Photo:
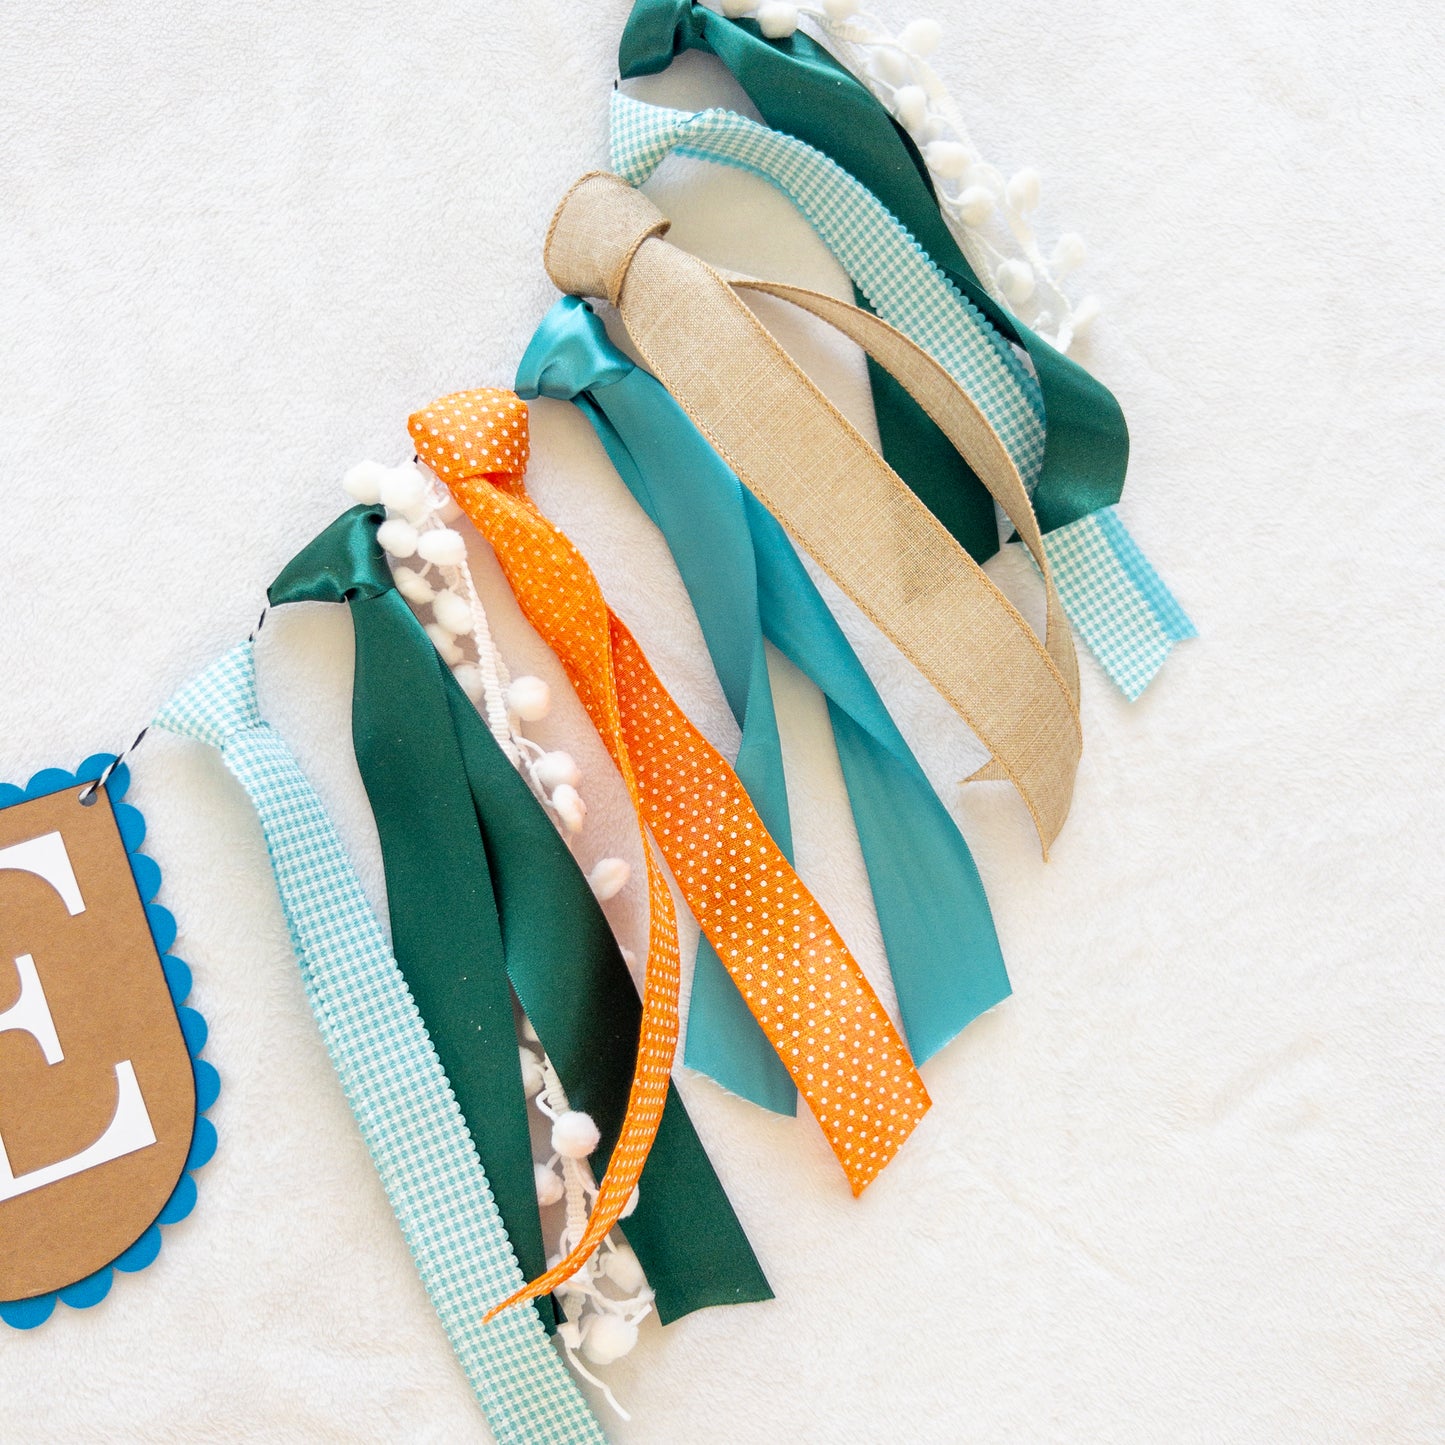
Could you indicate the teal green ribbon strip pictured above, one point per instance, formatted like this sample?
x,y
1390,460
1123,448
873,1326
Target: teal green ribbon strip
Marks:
x,y
391,1075
801,90
482,889
747,583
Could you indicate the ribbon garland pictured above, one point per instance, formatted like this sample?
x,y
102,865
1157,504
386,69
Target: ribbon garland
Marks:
x,y
481,887
784,954
745,582
1120,605
725,446
832,491
391,1075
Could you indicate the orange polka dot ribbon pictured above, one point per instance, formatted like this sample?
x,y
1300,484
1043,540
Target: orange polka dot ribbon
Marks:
x,y
789,962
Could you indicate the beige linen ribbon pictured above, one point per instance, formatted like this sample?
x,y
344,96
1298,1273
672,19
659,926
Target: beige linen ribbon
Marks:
x,y
844,504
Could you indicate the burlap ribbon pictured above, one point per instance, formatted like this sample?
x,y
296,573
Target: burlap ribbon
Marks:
x,y
843,503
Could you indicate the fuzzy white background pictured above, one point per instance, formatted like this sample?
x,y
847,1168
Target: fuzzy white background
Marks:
x,y
1187,1184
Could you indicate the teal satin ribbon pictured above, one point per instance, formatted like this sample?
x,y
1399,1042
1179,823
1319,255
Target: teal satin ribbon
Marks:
x,y
481,889
800,89
746,583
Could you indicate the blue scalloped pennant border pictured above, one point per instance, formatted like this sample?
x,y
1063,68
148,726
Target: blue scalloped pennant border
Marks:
x,y
26,1314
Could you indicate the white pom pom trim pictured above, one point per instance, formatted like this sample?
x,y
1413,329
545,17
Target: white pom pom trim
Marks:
x,y
362,483
575,1135
443,547
608,1338
530,698
397,537
549,1185
777,20
609,876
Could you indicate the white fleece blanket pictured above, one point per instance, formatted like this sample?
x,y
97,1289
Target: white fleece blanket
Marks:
x,y
1187,1184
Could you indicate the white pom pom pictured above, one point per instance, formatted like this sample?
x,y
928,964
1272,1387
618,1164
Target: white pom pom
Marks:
x,y
403,490
889,65
975,205
735,8
442,546
453,612
920,37
530,698
910,105
444,643
1022,191
554,769
1069,253
570,808
624,1270
777,20
631,1204
470,677
363,482
570,1333
985,178
608,1338
549,1186
532,1076
574,1135
1085,314
840,9
413,586
1016,280
947,158
397,537
609,877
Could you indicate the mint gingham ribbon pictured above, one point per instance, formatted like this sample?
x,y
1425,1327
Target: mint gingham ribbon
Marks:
x,y
1117,602
390,1073
1115,599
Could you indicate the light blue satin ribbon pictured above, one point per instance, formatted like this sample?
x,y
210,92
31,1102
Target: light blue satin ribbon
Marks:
x,y
1117,602
390,1073
746,583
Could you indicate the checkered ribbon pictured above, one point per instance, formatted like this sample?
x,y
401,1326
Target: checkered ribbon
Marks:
x,y
1114,598
390,1073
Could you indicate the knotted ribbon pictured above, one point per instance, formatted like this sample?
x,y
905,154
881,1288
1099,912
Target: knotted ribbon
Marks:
x,y
785,956
811,468
389,1071
1115,599
803,91
895,278
1120,605
746,582
480,887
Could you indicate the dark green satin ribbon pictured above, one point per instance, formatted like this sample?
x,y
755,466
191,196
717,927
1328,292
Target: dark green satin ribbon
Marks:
x,y
800,89
481,889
